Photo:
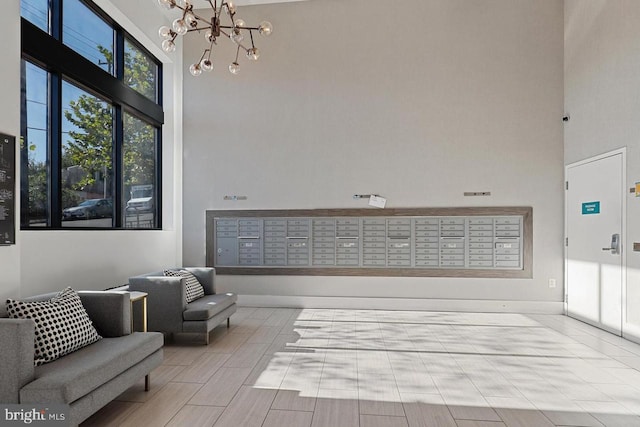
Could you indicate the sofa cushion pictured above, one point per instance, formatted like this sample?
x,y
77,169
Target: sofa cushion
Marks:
x,y
62,324
79,373
208,306
193,288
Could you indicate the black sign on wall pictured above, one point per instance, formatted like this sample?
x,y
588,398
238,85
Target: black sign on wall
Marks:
x,y
7,189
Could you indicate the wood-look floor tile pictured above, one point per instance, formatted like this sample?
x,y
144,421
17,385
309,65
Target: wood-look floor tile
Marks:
x,y
248,408
473,423
293,400
478,413
286,367
381,407
565,418
382,421
426,410
283,343
279,318
246,356
264,334
221,387
618,420
340,410
184,355
163,406
262,313
112,414
159,377
510,403
228,343
203,368
523,418
270,371
196,416
378,394
277,418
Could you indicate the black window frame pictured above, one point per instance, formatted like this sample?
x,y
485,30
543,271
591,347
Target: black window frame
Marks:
x,y
63,63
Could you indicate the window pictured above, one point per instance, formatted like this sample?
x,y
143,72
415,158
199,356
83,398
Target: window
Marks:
x,y
140,71
88,34
35,140
36,12
139,195
87,158
90,127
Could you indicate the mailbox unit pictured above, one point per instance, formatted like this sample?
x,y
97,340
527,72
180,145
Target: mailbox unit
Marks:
x,y
466,242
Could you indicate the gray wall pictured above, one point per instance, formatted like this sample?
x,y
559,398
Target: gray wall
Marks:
x,y
602,59
417,102
10,124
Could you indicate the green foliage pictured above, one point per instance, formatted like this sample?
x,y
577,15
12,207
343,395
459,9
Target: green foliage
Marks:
x,y
38,189
90,146
38,192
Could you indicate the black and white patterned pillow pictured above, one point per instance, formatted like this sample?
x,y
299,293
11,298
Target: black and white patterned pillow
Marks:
x,y
62,324
193,287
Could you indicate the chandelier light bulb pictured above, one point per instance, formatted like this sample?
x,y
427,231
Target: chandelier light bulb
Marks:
x,y
208,35
253,54
234,68
182,3
206,65
168,46
236,36
231,8
165,32
167,4
195,70
265,28
180,27
191,20
240,23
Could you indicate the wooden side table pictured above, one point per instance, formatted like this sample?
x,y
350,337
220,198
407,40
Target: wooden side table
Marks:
x,y
139,296
135,296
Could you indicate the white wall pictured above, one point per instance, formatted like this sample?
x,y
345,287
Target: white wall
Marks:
x,y
417,102
602,87
49,260
10,124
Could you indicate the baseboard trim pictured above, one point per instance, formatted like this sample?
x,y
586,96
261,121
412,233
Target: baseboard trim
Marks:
x,y
419,304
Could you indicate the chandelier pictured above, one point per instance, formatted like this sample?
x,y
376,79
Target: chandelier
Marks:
x,y
213,29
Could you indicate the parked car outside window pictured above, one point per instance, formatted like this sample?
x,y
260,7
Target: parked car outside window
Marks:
x,y
91,208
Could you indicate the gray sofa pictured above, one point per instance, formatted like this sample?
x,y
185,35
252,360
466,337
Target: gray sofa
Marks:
x,y
167,308
88,378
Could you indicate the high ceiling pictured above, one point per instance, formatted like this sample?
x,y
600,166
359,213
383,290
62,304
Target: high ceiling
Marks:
x,y
198,4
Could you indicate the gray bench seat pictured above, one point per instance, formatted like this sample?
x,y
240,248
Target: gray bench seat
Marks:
x,y
168,310
69,378
86,379
208,306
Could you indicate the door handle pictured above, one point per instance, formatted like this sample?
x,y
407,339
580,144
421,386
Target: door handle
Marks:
x,y
615,245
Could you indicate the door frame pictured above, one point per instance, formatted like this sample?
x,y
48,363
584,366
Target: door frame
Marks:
x,y
623,235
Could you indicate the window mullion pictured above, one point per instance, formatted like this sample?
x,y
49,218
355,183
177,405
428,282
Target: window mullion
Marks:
x,y
55,150
24,148
56,19
118,160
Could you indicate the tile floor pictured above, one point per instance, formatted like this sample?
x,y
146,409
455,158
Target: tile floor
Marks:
x,y
366,368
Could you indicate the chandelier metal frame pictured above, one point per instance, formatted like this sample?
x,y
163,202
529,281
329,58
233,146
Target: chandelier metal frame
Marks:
x,y
190,21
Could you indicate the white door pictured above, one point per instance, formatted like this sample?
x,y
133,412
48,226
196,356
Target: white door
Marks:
x,y
594,217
